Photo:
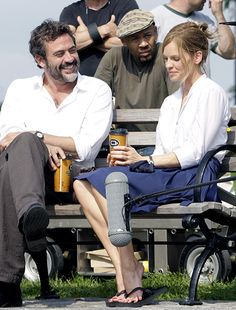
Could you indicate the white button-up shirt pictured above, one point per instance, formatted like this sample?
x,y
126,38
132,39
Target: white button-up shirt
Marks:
x,y
85,114
197,126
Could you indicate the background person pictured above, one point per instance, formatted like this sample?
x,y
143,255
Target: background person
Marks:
x,y
193,121
95,23
180,11
135,71
43,118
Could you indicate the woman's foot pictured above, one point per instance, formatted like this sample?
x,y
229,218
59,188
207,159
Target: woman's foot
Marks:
x,y
121,292
148,298
133,280
120,297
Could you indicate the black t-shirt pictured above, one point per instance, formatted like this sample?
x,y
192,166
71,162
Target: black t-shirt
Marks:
x,y
90,56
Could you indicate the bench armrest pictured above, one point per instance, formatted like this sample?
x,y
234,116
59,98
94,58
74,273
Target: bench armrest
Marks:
x,y
203,164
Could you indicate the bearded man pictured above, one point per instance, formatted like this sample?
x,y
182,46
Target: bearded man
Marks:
x,y
43,119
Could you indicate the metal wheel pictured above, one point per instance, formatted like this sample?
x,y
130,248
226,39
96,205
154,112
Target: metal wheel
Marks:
x,y
217,267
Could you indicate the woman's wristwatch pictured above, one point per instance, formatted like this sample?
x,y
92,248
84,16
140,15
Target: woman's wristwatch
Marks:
x,y
150,160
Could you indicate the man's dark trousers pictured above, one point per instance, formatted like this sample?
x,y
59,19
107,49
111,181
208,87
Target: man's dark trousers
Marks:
x,y
22,184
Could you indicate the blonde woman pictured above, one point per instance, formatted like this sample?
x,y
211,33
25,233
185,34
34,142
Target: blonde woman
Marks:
x,y
193,121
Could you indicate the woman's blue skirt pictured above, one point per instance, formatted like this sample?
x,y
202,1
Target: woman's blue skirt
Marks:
x,y
142,183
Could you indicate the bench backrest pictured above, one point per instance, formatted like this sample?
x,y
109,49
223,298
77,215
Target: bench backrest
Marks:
x,y
138,116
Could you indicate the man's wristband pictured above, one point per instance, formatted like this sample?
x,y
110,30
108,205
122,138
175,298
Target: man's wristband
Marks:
x,y
94,33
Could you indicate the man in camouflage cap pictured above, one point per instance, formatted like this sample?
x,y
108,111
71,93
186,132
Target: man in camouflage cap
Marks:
x,y
135,71
134,21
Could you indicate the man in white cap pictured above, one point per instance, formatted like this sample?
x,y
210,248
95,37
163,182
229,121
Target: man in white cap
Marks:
x,y
135,71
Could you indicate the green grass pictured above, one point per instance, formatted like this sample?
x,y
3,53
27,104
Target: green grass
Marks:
x,y
177,283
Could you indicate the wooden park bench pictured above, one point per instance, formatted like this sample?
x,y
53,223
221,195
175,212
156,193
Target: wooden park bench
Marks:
x,y
207,217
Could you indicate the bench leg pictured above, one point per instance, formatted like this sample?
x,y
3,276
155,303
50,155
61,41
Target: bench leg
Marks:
x,y
151,254
40,259
192,298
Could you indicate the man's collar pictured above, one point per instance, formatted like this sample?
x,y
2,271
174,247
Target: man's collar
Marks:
x,y
79,84
177,12
99,8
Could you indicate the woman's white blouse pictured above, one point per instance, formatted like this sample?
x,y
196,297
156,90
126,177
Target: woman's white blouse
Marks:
x,y
197,126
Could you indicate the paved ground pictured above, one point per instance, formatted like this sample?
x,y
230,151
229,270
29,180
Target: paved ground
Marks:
x,y
99,304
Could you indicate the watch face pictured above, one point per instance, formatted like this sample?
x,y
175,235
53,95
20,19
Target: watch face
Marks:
x,y
39,134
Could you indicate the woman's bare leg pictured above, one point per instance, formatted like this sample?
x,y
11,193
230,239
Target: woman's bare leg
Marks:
x,y
128,270
95,210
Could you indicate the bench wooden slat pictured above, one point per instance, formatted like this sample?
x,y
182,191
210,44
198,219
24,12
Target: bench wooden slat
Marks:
x,y
233,113
141,138
171,210
145,115
136,115
164,217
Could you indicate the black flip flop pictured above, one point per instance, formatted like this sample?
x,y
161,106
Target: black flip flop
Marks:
x,y
147,297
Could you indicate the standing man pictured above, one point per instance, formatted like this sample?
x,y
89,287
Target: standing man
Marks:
x,y
95,23
180,11
42,120
135,71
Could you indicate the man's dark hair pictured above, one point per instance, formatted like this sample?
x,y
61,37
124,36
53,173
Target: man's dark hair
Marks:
x,y
48,31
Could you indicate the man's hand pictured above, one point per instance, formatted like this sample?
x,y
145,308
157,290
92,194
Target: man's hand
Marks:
x,y
108,29
225,37
108,33
81,34
7,140
55,154
82,27
112,26
216,7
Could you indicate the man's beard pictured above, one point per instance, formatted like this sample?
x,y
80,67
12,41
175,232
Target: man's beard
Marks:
x,y
199,7
59,75
147,59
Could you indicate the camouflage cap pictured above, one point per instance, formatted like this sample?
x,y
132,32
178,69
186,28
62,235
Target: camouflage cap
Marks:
x,y
134,21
